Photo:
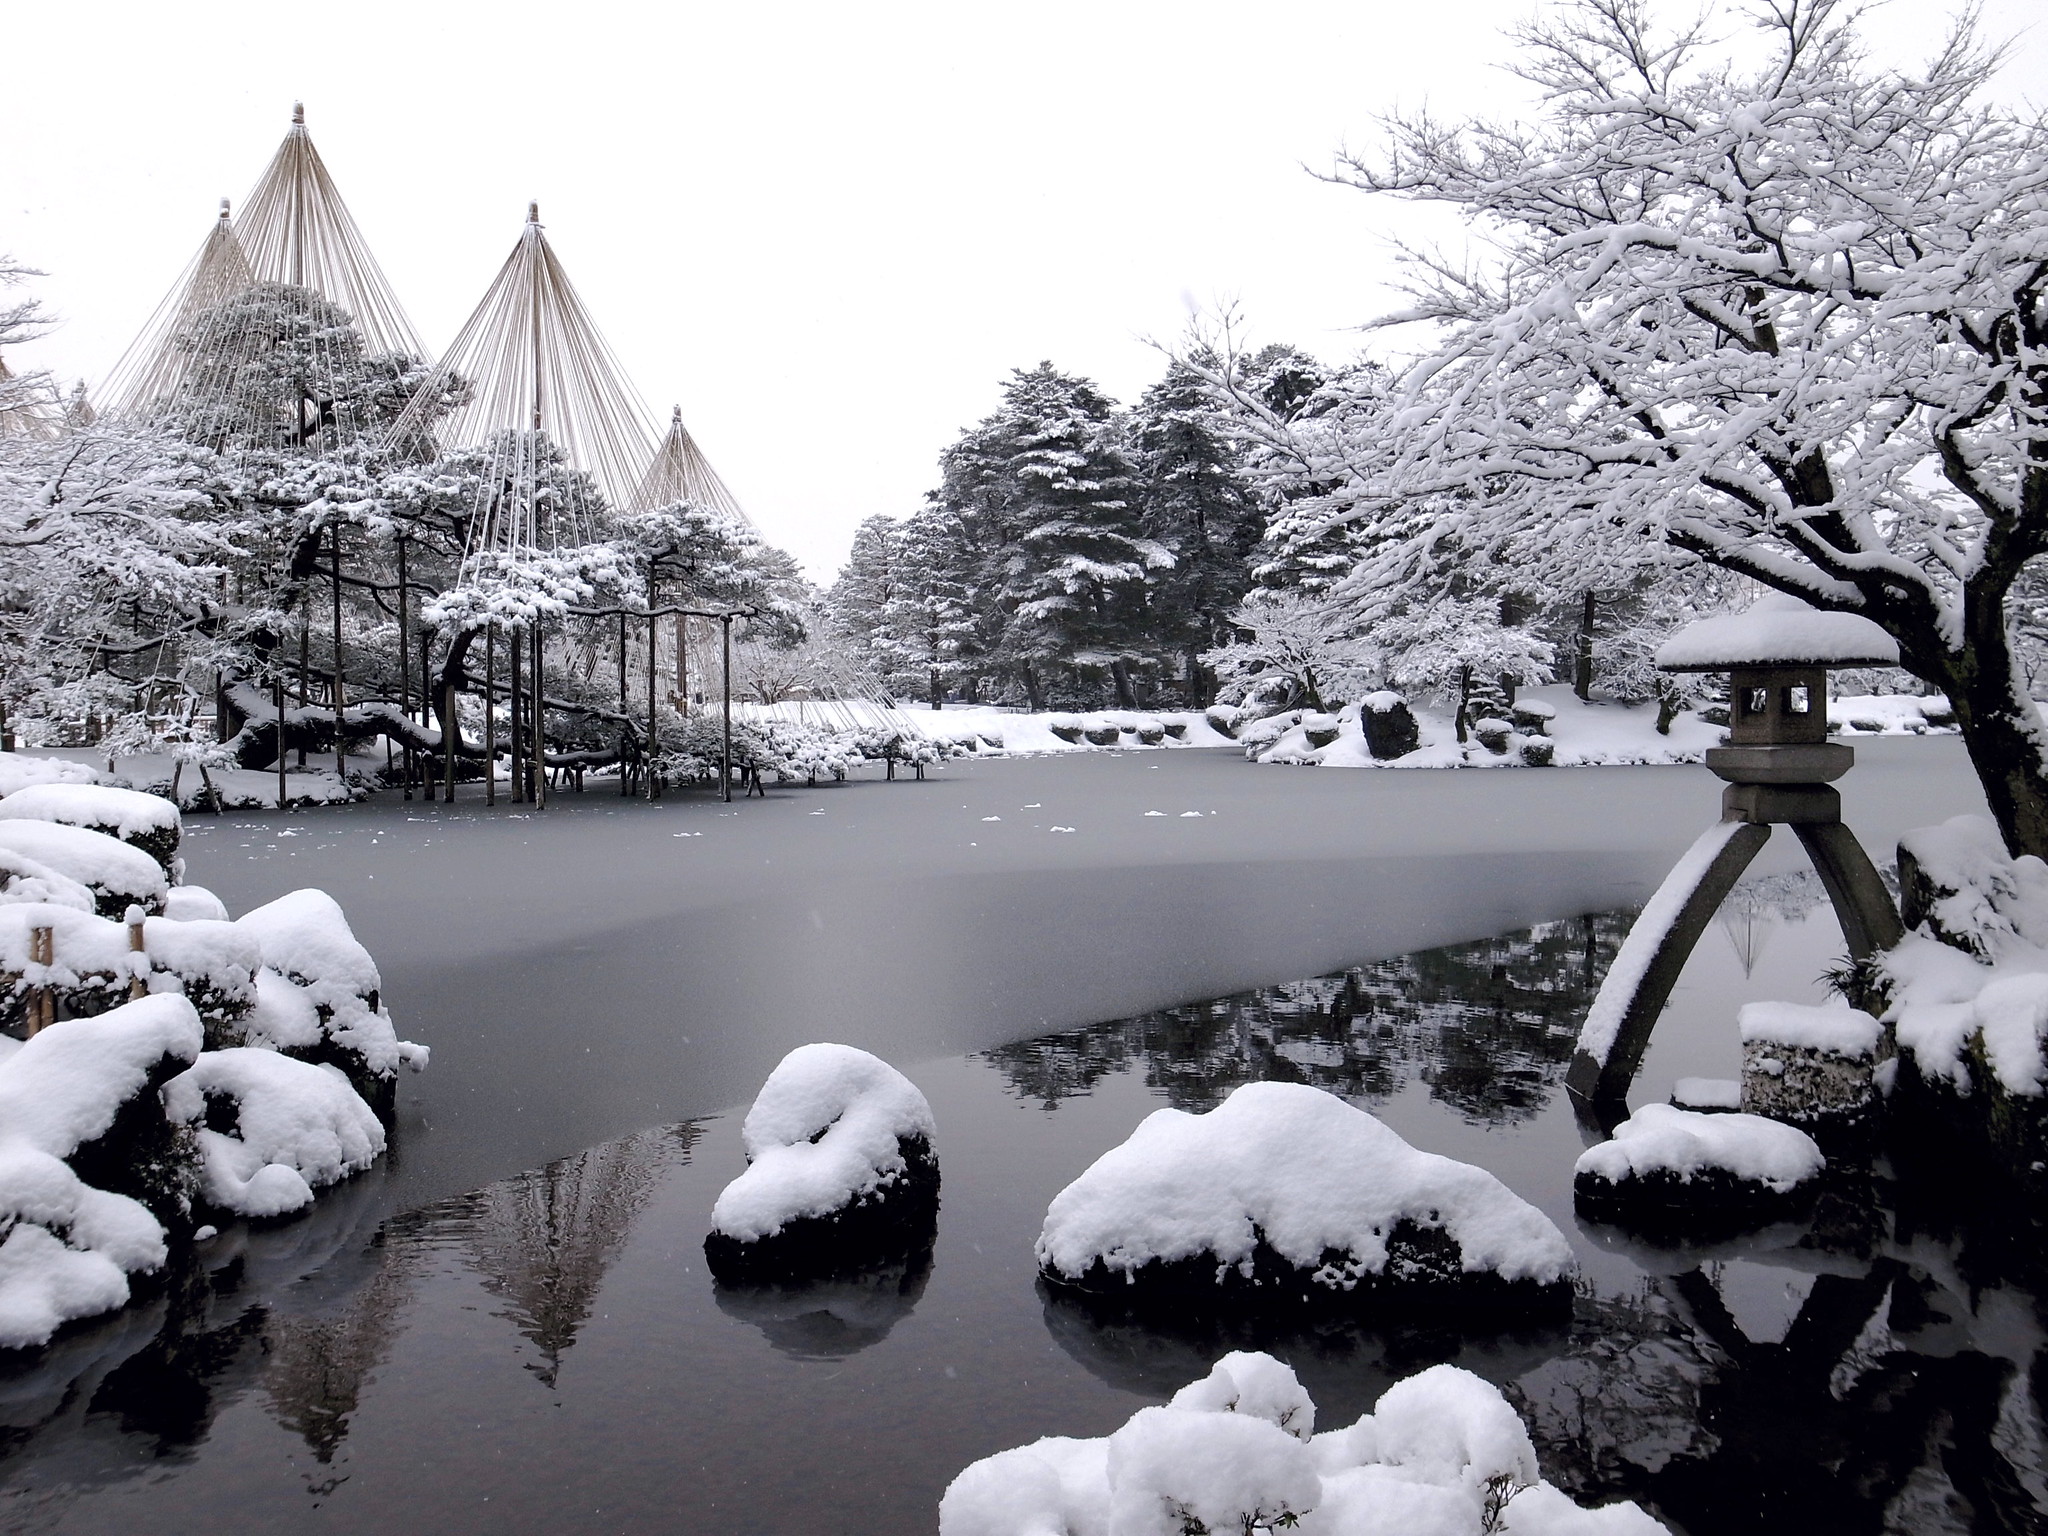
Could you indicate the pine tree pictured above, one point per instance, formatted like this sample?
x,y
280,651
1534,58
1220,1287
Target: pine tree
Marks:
x,y
928,622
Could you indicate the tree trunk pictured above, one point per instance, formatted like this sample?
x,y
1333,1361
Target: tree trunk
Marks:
x,y
1033,694
938,691
1464,699
1120,673
1582,669
2002,730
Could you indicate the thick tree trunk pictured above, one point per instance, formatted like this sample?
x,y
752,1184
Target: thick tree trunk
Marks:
x,y
1582,661
1034,695
2002,732
1120,673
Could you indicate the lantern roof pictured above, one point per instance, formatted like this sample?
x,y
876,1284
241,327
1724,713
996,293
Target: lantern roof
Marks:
x,y
1778,631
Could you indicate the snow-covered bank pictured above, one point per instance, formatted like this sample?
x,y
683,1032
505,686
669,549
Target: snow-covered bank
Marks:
x,y
159,1068
1552,727
1441,1454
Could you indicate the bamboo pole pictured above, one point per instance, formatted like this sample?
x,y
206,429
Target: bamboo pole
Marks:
x,y
540,739
42,1002
427,711
625,779
725,688
340,752
404,666
305,662
137,986
277,693
490,714
518,764
653,634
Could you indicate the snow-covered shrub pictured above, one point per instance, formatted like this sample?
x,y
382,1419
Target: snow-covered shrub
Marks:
x,y
319,999
1493,733
66,1249
213,963
194,903
1285,1194
18,771
1066,727
22,879
1667,1166
1532,716
1810,1067
839,1163
1441,1454
117,875
147,822
90,970
1261,734
271,1130
1539,751
1223,718
1321,729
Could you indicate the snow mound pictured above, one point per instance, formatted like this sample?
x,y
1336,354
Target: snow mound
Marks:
x,y
1287,1192
1442,1454
91,965
18,772
23,879
116,874
1681,1144
306,937
292,1128
323,996
194,903
2012,1014
834,1131
1958,884
1836,1028
64,1087
127,814
213,963
66,1249
1778,631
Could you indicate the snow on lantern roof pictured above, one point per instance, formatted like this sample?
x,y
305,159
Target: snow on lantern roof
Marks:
x,y
1778,632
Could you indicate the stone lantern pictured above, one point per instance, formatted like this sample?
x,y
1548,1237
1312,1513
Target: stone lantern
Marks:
x,y
1780,770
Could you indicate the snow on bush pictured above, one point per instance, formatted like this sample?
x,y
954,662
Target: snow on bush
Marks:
x,y
1285,1192
66,1247
213,963
272,1129
325,1001
838,1145
18,772
1441,1454
1958,883
116,874
22,879
1660,1149
194,903
143,821
91,969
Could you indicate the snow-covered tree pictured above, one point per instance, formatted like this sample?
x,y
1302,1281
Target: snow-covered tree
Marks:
x,y
27,400
1786,316
928,620
857,605
1294,647
1044,490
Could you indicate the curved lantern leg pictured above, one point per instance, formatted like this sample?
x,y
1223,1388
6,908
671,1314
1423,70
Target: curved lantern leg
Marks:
x,y
1862,905
1617,1027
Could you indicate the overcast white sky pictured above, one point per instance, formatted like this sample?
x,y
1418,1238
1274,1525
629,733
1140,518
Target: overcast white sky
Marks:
x,y
827,231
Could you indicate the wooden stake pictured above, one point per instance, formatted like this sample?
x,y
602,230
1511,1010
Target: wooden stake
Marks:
x,y
518,720
340,754
277,694
137,987
653,630
404,666
42,1002
725,684
540,738
490,714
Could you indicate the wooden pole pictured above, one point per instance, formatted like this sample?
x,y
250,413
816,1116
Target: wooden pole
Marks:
x,y
404,666
277,693
682,664
653,631
725,686
137,986
518,719
451,738
340,755
42,1003
625,778
490,714
540,736
305,629
427,710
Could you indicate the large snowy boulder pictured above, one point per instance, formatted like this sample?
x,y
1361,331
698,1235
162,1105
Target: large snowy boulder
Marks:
x,y
1676,1167
1442,1454
1286,1194
839,1162
91,967
1958,884
117,875
147,822
1811,1067
271,1129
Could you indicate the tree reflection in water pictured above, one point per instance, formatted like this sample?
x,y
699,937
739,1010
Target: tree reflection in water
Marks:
x,y
1488,1026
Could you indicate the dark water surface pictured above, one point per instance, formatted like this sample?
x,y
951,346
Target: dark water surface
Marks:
x,y
452,1344
548,1353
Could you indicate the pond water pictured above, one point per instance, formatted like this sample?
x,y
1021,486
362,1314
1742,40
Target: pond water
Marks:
x,y
548,1353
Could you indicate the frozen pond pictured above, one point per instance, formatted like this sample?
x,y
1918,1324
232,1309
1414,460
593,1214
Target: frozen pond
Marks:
x,y
511,1328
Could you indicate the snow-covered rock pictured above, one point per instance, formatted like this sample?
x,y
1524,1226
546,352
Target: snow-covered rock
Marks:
x,y
213,963
1285,1193
117,875
147,822
1959,885
1811,1067
194,903
271,1129
1667,1164
1441,1454
23,879
66,1249
839,1159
